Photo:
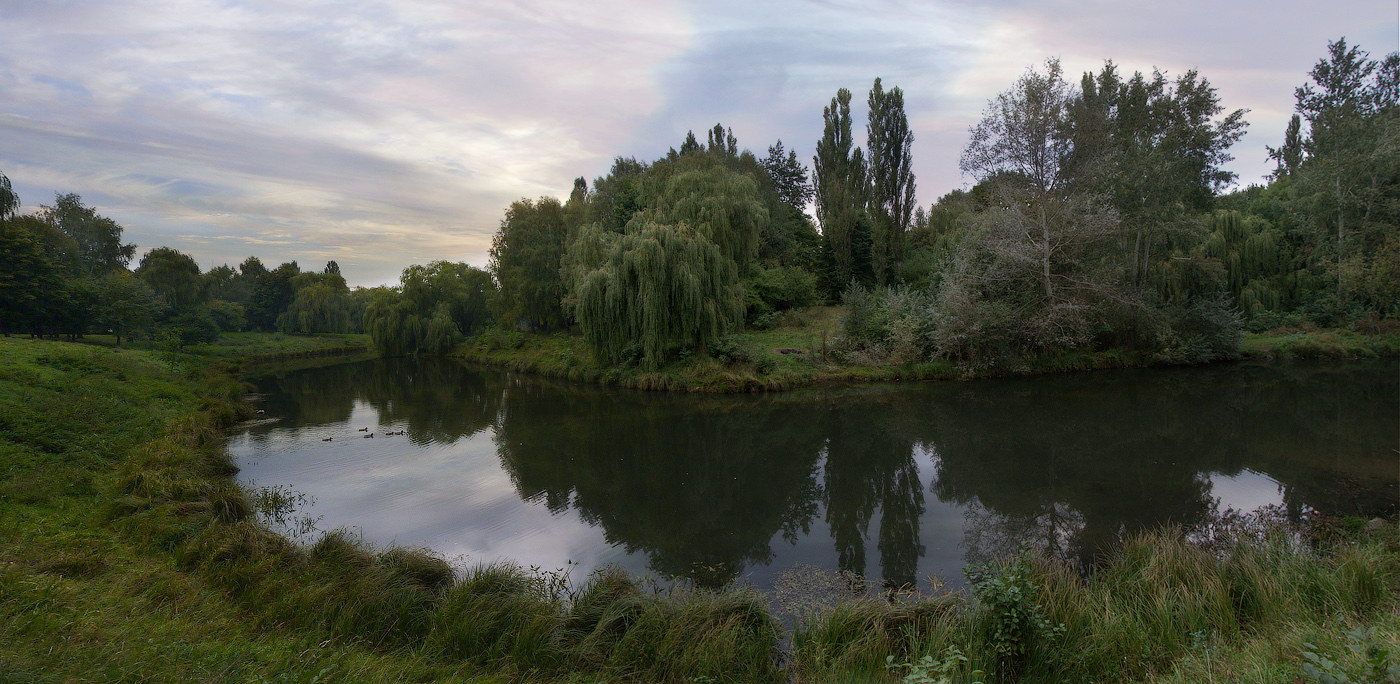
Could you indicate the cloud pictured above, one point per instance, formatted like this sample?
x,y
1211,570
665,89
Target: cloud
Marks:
x,y
383,133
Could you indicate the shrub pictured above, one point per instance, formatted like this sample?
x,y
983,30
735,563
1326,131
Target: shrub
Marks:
x,y
1204,329
191,327
1015,624
730,349
895,323
770,290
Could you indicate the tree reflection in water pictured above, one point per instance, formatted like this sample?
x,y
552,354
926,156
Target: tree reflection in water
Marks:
x,y
705,486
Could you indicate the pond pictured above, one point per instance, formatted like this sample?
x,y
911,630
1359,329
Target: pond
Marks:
x,y
897,483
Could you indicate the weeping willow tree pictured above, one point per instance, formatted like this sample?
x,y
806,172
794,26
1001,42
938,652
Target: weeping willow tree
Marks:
x,y
1255,266
722,205
661,287
394,325
589,246
322,304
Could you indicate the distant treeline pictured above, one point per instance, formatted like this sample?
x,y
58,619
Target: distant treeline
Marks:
x,y
1096,220
64,274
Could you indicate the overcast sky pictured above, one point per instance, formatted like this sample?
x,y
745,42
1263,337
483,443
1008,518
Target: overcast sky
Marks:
x,y
383,134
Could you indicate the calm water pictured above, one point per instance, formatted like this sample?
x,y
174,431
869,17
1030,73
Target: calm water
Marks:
x,y
900,483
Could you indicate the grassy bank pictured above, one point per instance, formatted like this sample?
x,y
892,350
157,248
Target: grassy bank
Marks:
x,y
107,458
1248,609
1295,343
798,353
128,553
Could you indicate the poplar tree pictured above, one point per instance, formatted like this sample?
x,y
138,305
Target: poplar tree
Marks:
x,y
891,179
839,174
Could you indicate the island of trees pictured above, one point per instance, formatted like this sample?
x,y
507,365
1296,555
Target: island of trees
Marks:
x,y
1099,219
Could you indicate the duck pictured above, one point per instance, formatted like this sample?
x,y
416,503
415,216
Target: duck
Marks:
x,y
327,439
369,436
364,429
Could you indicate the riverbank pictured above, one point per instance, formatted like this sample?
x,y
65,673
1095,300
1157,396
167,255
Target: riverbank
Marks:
x,y
128,553
799,353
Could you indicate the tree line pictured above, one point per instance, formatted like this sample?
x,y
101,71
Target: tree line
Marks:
x,y
1101,216
66,274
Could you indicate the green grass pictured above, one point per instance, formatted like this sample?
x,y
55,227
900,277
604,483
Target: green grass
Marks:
x,y
1161,609
1320,344
796,353
127,553
763,364
85,592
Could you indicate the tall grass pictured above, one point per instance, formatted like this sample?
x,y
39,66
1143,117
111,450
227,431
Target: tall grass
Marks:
x,y
1161,605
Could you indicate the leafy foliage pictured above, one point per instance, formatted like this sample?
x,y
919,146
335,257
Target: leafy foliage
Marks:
x,y
1016,624
789,177
434,307
98,238
840,183
891,179
661,287
720,204
322,304
1377,665
525,261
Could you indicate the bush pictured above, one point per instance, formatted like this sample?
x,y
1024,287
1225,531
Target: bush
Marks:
x,y
1016,625
1204,329
920,269
1272,320
895,323
730,349
1328,310
190,327
228,316
778,289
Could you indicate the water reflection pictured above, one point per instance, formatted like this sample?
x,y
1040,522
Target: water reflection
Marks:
x,y
895,484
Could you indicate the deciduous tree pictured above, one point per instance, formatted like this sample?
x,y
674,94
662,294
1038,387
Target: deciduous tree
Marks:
x,y
661,287
525,256
98,238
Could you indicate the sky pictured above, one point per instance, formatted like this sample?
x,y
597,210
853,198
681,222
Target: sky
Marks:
x,y
381,134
